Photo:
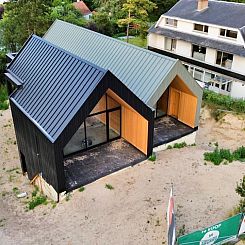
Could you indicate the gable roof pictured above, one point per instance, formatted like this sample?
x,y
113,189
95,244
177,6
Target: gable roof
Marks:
x,y
55,84
227,14
57,90
141,70
82,7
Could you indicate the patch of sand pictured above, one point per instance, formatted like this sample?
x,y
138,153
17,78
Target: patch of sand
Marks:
x,y
135,211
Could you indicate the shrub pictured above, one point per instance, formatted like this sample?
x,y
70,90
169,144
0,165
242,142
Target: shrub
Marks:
x,y
109,187
81,189
239,154
36,201
152,157
213,157
179,145
218,156
3,98
240,190
224,101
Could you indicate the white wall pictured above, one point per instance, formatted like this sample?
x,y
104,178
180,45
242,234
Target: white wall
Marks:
x,y
183,48
210,56
156,41
238,90
238,64
185,26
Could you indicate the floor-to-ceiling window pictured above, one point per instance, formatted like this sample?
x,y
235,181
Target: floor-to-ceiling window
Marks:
x,y
101,126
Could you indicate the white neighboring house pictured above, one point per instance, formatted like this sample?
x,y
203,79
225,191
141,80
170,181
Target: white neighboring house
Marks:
x,y
83,8
209,38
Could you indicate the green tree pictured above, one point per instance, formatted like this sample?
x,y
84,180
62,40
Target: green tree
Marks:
x,y
64,10
162,7
21,19
101,23
136,12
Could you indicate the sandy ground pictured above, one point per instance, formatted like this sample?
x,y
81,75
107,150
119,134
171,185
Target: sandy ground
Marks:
x,y
135,211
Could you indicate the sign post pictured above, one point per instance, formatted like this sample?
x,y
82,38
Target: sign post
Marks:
x,y
223,232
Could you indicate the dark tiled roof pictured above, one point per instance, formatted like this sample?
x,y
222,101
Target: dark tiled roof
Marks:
x,y
55,84
202,41
218,13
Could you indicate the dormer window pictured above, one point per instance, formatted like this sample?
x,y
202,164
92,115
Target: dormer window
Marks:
x,y
171,22
201,28
228,33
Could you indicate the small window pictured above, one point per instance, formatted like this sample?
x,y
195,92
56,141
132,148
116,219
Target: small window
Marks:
x,y
228,33
171,22
222,32
170,44
232,34
201,28
216,85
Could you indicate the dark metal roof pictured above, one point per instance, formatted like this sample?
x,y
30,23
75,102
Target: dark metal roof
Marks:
x,y
55,84
227,14
141,70
202,41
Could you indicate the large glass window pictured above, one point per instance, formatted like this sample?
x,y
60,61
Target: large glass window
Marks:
x,y
224,59
198,52
96,129
77,142
102,125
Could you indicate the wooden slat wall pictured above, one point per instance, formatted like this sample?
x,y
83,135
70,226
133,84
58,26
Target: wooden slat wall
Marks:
x,y
134,126
134,129
187,109
182,102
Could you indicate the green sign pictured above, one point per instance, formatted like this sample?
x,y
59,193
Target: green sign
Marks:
x,y
220,233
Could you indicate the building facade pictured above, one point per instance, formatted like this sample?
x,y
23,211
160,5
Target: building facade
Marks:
x,y
71,96
209,38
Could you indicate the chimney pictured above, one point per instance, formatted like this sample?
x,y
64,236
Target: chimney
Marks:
x,y
202,4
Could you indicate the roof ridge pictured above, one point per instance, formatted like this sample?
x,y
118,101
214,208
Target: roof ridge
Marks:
x,y
69,53
115,40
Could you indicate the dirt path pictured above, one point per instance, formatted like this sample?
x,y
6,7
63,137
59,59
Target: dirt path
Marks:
x,y
134,212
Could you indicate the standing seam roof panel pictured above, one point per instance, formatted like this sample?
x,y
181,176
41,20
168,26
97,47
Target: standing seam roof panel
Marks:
x,y
56,84
127,62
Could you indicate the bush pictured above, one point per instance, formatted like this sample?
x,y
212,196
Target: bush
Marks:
x,y
240,190
213,157
36,201
218,156
239,154
152,157
224,101
180,145
4,105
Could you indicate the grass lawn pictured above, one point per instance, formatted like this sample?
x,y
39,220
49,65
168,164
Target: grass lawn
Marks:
x,y
137,41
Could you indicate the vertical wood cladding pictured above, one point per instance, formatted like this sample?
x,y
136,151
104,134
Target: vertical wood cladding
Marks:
x,y
38,151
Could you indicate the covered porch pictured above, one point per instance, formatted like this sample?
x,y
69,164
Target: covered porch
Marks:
x,y
168,129
88,166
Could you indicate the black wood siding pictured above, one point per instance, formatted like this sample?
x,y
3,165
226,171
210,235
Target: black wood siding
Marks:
x,y
39,152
